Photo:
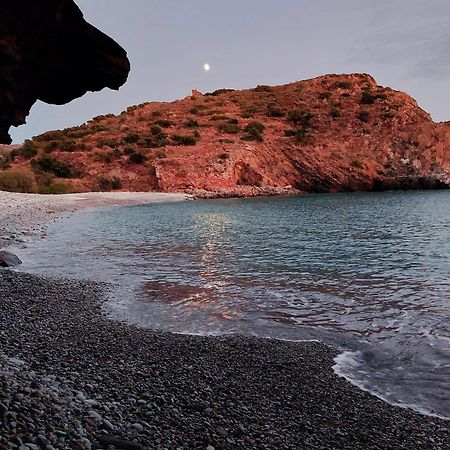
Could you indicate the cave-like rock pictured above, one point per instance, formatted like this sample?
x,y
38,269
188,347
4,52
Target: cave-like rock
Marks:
x,y
49,52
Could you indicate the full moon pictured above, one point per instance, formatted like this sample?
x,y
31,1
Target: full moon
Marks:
x,y
206,67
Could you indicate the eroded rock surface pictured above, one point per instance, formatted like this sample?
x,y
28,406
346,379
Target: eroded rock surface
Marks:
x,y
49,52
333,133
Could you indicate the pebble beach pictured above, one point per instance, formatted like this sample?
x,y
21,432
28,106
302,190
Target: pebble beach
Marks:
x,y
70,378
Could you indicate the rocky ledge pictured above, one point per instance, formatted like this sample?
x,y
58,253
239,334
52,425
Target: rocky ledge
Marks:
x,y
70,378
49,52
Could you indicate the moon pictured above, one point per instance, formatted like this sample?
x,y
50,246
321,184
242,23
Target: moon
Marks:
x,y
206,67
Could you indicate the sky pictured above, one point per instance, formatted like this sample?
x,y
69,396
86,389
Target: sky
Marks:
x,y
404,44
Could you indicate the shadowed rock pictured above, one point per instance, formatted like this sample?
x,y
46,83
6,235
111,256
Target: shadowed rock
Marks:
x,y
8,259
49,52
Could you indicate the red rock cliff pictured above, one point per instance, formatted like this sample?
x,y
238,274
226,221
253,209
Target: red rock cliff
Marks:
x,y
332,133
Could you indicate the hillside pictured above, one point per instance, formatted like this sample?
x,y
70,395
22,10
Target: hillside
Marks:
x,y
328,134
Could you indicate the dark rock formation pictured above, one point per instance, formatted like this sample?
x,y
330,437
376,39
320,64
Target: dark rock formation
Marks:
x,y
9,260
49,52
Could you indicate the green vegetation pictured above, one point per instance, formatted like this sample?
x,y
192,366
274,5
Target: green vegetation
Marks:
x,y
324,95
109,184
263,88
131,138
363,115
369,98
275,111
335,113
196,110
254,132
300,117
218,92
229,128
137,158
164,123
192,123
160,154
343,85
27,151
357,164
52,165
183,140
18,180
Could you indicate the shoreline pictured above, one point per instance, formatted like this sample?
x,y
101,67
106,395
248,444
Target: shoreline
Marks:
x,y
24,215
65,314
88,377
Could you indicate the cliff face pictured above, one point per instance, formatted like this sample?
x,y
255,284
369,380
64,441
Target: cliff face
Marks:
x,y
49,52
332,133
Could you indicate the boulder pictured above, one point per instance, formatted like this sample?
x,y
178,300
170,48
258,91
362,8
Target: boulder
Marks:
x,y
9,259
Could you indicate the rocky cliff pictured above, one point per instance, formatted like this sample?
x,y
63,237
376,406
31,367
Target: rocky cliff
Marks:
x,y
49,52
328,134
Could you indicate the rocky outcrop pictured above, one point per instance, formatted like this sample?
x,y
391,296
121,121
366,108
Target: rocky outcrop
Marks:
x,y
9,259
328,134
49,52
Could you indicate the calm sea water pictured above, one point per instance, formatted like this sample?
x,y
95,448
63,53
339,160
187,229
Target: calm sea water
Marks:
x,y
367,272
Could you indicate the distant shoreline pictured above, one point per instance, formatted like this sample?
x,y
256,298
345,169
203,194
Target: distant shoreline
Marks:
x,y
23,215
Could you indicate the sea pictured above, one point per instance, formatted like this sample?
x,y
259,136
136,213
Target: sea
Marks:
x,y
366,272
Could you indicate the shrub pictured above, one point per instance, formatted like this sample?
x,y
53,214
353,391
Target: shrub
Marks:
x,y
223,156
367,98
197,109
335,113
155,129
109,184
343,85
56,135
229,128
131,138
274,111
48,148
216,118
184,140
160,154
107,143
191,123
68,146
52,165
357,164
290,133
262,88
324,95
100,128
226,141
253,132
104,157
5,162
300,117
27,151
363,116
128,150
248,112
164,123
301,136
54,189
218,92
137,158
17,180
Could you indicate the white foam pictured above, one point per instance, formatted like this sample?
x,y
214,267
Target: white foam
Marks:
x,y
348,360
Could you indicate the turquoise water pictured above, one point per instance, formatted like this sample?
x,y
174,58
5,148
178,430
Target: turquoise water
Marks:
x,y
367,272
